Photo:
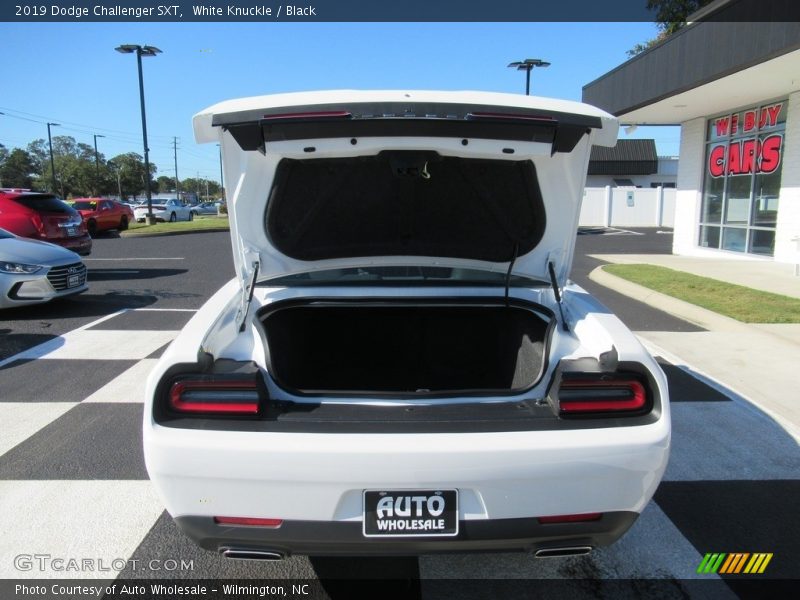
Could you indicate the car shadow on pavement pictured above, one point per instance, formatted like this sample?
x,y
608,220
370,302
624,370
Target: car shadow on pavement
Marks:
x,y
128,274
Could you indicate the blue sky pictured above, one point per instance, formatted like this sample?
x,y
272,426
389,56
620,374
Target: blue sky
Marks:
x,y
69,73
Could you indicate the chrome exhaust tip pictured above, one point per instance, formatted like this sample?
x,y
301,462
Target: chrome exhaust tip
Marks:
x,y
561,552
247,554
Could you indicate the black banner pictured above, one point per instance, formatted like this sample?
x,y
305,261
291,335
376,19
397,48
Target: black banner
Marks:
x,y
324,10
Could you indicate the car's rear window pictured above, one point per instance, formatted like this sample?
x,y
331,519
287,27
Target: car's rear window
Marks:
x,y
43,203
401,203
84,205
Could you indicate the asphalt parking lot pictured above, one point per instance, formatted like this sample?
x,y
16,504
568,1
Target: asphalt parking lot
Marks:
x,y
72,477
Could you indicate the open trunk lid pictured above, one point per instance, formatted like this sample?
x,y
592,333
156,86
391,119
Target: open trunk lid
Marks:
x,y
343,179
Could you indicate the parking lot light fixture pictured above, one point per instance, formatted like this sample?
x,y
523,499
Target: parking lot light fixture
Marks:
x,y
52,162
141,51
527,65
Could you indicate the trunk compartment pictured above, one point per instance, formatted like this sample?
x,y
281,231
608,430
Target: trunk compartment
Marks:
x,y
406,348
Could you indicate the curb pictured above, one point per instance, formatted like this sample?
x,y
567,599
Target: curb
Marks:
x,y
702,317
165,233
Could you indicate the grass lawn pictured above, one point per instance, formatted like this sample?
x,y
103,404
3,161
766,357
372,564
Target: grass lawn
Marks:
x,y
735,301
198,224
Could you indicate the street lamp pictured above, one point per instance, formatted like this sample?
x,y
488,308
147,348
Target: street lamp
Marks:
x,y
140,52
527,65
52,162
96,164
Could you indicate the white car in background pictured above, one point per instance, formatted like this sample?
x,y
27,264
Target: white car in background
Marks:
x,y
164,210
32,271
401,365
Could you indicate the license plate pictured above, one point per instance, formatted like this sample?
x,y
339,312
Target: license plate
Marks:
x,y
74,280
410,513
72,231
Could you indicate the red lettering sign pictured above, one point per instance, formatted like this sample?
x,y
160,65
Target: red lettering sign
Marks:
x,y
744,157
770,154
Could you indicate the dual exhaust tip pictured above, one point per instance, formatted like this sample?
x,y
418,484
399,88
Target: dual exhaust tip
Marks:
x,y
274,555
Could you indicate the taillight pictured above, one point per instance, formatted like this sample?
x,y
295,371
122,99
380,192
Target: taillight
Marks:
x,y
249,521
584,518
215,396
38,224
579,396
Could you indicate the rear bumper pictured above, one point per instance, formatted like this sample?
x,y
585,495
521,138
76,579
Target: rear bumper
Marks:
x,y
80,245
346,539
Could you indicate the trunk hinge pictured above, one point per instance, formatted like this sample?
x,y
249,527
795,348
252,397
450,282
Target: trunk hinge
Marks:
x,y
511,266
247,298
554,283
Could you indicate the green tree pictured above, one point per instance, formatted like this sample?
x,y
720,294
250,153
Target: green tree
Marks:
x,y
670,17
128,170
198,186
74,165
17,169
165,184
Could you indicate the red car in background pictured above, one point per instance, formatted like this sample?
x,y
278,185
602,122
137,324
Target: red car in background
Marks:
x,y
43,216
100,214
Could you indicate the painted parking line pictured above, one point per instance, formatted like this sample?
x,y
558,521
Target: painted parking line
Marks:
x,y
136,258
103,520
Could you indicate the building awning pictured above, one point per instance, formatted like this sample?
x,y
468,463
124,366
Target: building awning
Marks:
x,y
628,157
725,61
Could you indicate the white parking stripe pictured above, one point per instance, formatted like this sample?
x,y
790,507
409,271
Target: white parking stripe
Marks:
x,y
22,419
98,520
136,258
127,387
105,344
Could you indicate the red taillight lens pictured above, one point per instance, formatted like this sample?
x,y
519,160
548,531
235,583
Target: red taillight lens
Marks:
x,y
249,521
585,396
227,397
38,224
570,518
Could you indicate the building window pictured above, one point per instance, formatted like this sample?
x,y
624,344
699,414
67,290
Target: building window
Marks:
x,y
741,188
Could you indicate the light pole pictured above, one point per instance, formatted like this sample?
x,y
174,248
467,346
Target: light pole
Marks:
x,y
52,162
96,164
527,65
143,51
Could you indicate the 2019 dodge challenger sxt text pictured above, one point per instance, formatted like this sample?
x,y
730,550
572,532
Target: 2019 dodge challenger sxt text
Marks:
x,y
401,365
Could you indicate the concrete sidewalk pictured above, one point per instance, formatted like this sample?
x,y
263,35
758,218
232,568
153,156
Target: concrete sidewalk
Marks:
x,y
756,362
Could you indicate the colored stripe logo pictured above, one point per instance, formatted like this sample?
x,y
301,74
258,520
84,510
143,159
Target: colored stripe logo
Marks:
x,y
735,563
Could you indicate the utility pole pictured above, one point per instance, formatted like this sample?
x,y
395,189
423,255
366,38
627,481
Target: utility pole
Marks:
x,y
52,162
177,181
97,165
221,180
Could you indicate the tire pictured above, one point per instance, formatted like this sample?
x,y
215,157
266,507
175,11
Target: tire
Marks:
x,y
191,215
123,223
173,218
91,227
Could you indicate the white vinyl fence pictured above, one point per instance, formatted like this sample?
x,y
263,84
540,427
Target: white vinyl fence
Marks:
x,y
628,207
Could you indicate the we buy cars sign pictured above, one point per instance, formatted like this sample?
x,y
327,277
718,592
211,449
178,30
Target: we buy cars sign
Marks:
x,y
757,154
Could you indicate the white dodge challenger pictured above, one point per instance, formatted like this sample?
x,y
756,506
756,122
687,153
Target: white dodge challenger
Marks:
x,y
401,365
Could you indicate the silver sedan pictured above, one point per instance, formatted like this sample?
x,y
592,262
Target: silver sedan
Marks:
x,y
32,272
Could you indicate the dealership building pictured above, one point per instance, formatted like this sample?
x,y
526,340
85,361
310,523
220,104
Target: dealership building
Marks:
x,y
733,86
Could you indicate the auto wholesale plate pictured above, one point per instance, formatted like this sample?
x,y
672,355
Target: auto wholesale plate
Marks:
x,y
410,513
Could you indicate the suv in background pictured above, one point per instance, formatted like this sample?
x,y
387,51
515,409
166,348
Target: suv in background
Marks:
x,y
43,216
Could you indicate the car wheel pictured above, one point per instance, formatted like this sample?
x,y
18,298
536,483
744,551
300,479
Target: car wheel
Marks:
x,y
191,215
123,223
91,227
172,218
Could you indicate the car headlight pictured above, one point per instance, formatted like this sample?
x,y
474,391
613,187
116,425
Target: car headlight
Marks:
x,y
18,268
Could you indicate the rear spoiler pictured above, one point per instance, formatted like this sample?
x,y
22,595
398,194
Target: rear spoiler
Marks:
x,y
252,129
